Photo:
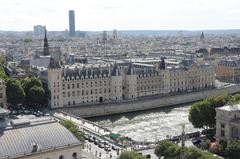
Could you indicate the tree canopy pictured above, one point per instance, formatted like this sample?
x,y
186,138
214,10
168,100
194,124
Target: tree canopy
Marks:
x,y
35,93
130,155
233,149
14,91
170,150
202,114
36,96
73,129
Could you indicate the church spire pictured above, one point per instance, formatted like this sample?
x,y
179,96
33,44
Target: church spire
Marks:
x,y
46,50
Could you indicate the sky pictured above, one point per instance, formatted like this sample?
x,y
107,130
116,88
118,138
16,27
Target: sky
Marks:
x,y
98,15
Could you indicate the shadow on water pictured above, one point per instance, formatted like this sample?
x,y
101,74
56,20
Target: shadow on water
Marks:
x,y
130,115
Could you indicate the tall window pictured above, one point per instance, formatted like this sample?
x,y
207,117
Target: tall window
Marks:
x,y
73,86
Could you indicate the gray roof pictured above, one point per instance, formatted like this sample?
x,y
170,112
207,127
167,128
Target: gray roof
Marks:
x,y
19,141
230,108
85,72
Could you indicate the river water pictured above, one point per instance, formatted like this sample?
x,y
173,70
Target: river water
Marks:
x,y
151,125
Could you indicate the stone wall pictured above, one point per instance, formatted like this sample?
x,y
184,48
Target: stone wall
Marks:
x,y
146,103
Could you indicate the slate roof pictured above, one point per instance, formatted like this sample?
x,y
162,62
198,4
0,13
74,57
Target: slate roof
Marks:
x,y
229,62
16,142
85,72
53,64
130,69
115,71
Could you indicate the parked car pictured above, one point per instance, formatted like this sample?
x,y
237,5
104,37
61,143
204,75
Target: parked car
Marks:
x,y
90,139
101,145
96,142
114,147
108,149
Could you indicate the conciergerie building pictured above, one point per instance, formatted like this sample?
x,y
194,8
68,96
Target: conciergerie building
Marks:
x,y
109,82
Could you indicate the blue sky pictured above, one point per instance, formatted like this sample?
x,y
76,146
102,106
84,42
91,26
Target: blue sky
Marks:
x,y
121,14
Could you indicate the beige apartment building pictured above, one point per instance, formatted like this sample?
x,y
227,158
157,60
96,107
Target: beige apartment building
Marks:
x,y
83,84
228,70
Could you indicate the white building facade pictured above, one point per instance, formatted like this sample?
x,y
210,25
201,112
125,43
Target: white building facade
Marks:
x,y
228,123
108,83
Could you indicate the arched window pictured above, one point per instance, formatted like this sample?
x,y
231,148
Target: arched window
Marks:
x,y
74,155
61,157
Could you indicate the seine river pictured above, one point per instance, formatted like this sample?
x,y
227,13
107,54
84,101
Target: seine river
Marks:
x,y
152,125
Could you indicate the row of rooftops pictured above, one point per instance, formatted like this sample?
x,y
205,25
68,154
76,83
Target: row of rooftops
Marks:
x,y
229,62
109,68
225,50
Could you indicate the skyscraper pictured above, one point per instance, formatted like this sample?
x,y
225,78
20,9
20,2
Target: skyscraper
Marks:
x,y
39,29
71,23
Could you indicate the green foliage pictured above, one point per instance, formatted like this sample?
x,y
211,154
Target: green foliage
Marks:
x,y
2,59
15,92
222,148
236,98
233,149
35,93
167,149
130,155
195,153
170,150
27,40
202,114
73,129
28,83
3,74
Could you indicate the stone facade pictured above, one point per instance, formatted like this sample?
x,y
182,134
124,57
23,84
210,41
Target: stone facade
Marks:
x,y
146,103
228,123
91,83
69,152
228,70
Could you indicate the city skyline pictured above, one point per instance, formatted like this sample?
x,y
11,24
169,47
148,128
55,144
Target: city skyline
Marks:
x,y
121,15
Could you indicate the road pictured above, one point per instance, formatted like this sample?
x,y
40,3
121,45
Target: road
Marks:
x,y
100,153
91,150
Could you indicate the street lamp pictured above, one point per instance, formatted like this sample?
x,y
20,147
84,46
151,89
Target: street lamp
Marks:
x,y
183,142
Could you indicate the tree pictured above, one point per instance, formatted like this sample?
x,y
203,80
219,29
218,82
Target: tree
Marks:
x,y
27,40
36,96
236,98
3,74
14,91
233,149
170,150
202,114
130,155
28,83
167,150
73,129
2,59
195,153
